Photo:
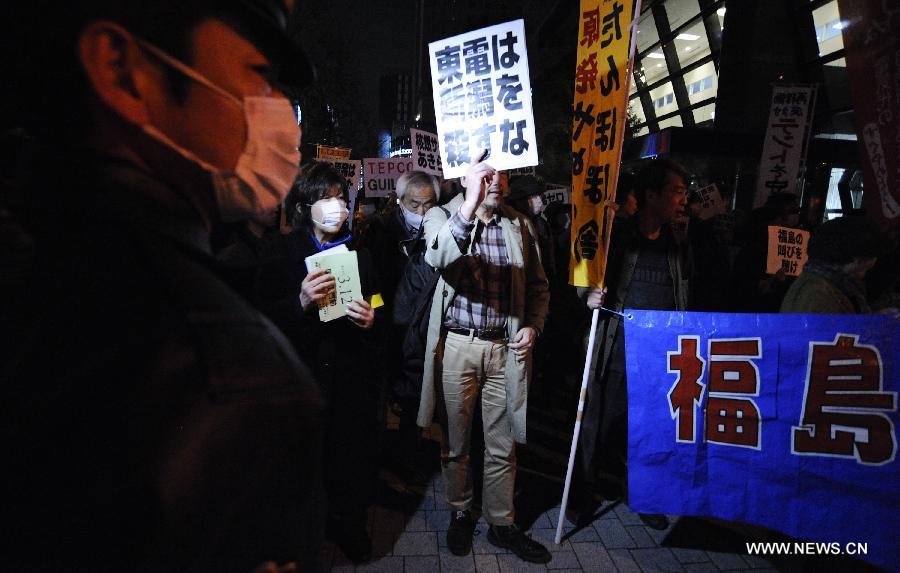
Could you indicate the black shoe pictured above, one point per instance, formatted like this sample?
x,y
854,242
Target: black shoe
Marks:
x,y
654,520
512,538
352,538
460,532
580,513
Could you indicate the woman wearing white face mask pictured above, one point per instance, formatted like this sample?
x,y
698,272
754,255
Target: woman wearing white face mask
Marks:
x,y
342,353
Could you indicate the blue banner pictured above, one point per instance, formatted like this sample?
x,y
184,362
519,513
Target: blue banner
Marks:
x,y
784,421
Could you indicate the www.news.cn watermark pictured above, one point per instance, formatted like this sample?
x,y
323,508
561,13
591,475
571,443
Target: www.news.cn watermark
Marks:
x,y
807,548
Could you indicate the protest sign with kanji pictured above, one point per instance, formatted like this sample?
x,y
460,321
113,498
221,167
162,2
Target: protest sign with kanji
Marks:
x,y
709,202
787,250
482,98
349,170
557,194
871,34
787,421
599,119
426,151
784,148
381,174
326,152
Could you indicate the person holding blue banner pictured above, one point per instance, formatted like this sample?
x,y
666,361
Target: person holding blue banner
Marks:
x,y
648,268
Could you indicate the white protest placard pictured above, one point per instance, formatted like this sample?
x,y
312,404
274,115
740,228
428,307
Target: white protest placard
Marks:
x,y
426,151
482,98
709,202
787,250
784,148
381,174
343,264
349,170
557,194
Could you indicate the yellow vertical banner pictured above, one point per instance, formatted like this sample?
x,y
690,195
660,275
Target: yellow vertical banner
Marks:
x,y
599,120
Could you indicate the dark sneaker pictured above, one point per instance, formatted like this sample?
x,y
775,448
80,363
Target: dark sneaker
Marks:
x,y
654,520
512,538
580,511
460,532
352,538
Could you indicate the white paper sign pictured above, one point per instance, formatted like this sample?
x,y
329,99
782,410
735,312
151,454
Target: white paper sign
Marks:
x,y
349,170
787,250
426,151
557,194
381,174
709,202
784,146
482,98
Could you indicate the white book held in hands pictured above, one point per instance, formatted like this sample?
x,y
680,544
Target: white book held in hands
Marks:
x,y
342,263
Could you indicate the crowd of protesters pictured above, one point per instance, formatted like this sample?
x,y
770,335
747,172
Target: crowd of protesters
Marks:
x,y
172,399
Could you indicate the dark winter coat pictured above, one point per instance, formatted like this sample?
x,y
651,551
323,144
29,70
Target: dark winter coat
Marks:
x,y
153,419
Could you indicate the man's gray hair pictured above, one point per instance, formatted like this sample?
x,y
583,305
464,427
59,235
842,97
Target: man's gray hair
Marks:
x,y
415,180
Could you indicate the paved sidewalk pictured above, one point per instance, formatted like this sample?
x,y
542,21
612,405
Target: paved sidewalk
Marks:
x,y
408,527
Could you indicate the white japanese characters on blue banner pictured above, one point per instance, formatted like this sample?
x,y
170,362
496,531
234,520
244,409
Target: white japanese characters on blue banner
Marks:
x,y
785,421
482,98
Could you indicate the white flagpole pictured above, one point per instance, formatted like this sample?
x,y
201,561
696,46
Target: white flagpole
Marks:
x,y
582,397
581,400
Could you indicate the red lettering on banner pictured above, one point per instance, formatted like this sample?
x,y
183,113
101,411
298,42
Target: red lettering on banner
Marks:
x,y
590,27
843,402
732,420
586,74
686,392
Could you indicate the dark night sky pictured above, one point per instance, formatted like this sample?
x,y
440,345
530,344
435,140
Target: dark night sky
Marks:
x,y
354,44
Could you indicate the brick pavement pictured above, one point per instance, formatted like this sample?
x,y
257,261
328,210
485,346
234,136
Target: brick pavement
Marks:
x,y
409,525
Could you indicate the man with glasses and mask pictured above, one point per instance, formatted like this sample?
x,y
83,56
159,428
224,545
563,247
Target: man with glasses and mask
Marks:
x,y
648,267
155,420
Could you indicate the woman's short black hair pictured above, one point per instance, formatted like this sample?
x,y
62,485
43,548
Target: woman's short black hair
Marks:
x,y
841,241
315,182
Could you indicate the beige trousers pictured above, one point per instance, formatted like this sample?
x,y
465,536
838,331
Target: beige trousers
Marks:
x,y
473,368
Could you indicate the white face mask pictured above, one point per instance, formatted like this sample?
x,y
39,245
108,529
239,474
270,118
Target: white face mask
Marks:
x,y
413,220
269,163
332,214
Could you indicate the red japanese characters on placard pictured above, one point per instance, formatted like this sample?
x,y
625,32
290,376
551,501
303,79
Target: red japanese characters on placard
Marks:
x,y
686,393
844,406
844,411
732,417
